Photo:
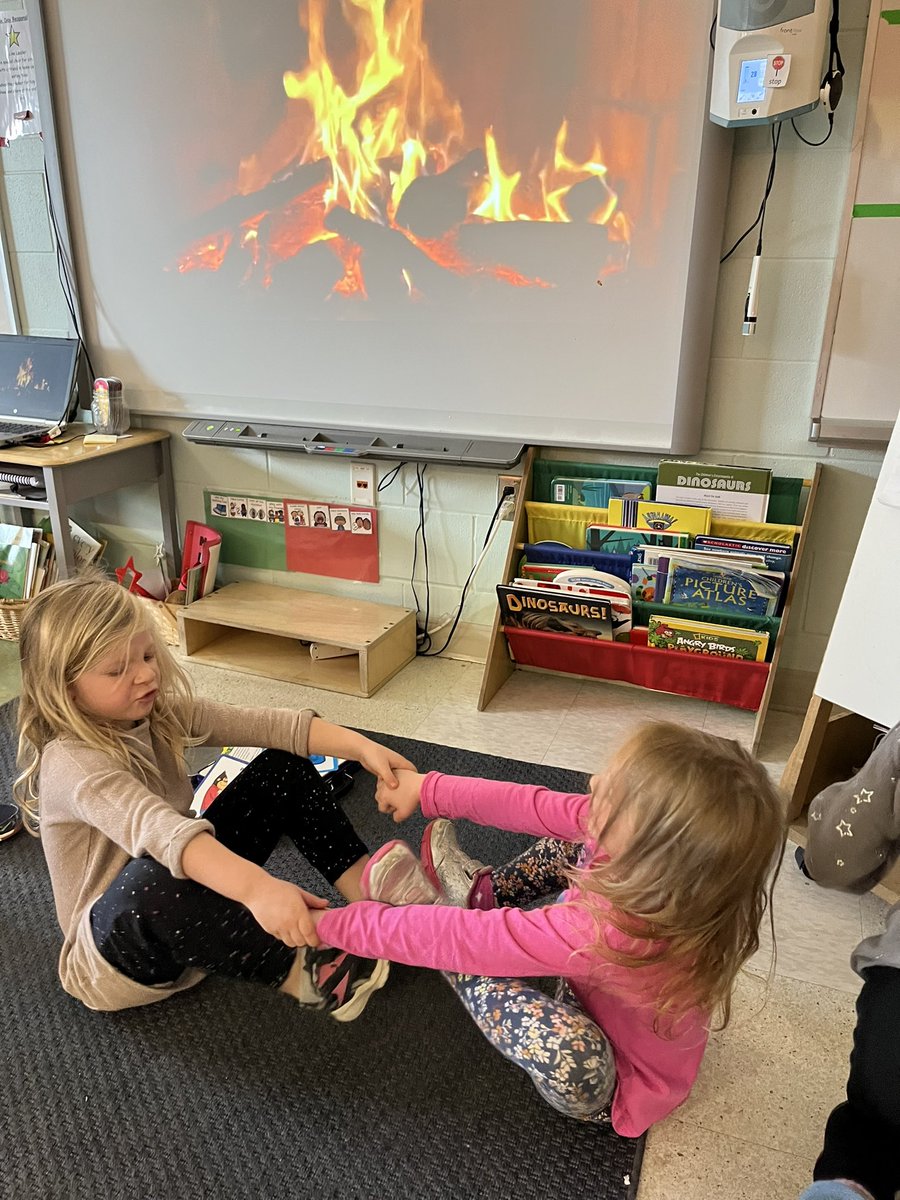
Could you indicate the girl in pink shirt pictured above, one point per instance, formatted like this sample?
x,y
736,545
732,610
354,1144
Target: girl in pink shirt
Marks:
x,y
679,840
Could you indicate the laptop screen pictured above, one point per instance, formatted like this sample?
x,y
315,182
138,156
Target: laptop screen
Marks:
x,y
37,376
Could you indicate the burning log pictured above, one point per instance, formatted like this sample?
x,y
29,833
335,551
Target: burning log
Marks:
x,y
392,264
432,205
280,192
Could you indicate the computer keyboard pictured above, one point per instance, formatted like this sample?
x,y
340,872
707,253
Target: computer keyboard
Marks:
x,y
18,427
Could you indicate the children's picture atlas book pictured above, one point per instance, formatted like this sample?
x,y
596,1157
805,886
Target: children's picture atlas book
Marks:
x,y
721,588
217,776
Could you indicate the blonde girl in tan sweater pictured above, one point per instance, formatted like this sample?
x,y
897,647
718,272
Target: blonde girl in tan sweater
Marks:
x,y
149,898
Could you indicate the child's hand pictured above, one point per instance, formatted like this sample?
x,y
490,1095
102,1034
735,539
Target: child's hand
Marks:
x,y
381,761
282,909
403,799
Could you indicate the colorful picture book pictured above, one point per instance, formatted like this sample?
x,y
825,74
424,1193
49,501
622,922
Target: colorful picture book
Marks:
x,y
226,768
643,581
617,539
15,563
734,493
28,560
199,560
660,517
776,556
555,612
724,589
704,637
596,493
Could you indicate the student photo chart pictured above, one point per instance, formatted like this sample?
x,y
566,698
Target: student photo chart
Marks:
x,y
451,218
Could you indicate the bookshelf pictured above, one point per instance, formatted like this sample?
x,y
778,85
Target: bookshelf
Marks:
x,y
743,685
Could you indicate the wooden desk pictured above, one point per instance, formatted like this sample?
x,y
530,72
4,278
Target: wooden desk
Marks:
x,y
72,471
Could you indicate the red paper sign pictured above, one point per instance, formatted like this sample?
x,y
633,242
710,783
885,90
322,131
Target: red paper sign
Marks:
x,y
340,540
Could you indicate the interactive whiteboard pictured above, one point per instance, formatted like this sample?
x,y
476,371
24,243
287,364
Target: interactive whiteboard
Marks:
x,y
500,219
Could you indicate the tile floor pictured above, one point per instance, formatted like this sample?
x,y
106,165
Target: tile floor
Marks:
x,y
751,1129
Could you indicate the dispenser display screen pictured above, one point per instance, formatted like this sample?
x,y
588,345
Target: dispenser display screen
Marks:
x,y
751,85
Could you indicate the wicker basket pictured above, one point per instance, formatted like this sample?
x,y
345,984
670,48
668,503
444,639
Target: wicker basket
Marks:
x,y
10,615
163,614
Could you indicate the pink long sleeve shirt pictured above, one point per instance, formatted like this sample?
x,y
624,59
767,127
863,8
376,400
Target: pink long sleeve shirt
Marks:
x,y
655,1071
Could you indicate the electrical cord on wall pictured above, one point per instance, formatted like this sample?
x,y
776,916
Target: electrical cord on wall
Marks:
x,y
761,215
486,545
425,635
388,479
422,637
833,83
65,277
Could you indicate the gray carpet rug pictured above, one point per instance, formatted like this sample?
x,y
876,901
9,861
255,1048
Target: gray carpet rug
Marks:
x,y
230,1092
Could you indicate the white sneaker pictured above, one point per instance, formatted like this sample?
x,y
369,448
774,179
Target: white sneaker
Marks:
x,y
394,875
446,865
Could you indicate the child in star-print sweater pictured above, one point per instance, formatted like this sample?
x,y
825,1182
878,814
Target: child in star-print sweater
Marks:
x,y
854,836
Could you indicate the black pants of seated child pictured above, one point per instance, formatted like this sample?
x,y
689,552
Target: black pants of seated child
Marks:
x,y
151,926
862,1137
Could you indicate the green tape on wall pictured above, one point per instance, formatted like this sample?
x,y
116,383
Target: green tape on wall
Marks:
x,y
876,210
248,543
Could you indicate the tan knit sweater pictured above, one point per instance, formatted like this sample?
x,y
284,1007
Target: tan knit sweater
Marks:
x,y
95,816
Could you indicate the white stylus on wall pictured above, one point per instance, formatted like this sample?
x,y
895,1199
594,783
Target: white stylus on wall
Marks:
x,y
749,326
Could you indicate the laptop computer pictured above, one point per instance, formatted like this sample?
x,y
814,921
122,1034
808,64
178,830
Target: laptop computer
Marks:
x,y
37,385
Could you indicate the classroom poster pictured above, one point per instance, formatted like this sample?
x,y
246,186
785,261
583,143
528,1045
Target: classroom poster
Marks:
x,y
18,81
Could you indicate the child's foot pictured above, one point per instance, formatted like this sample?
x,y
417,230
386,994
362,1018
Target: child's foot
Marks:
x,y
464,882
333,980
394,874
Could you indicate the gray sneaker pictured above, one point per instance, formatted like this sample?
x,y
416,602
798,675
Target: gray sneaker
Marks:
x,y
447,866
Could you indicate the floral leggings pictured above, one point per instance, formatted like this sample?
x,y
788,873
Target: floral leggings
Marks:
x,y
566,1054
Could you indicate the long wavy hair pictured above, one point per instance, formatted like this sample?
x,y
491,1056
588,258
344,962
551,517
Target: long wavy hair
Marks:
x,y
67,630
701,830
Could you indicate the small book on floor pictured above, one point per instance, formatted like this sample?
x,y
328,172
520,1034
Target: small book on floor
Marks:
x,y
226,768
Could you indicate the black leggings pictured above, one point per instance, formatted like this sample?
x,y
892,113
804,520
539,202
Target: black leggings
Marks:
x,y
151,926
862,1137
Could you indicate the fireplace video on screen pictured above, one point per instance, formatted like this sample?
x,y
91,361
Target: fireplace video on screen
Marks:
x,y
442,152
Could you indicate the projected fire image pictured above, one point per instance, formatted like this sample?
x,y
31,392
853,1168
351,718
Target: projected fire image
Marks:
x,y
380,182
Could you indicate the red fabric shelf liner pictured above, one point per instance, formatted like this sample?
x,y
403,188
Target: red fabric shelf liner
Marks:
x,y
722,680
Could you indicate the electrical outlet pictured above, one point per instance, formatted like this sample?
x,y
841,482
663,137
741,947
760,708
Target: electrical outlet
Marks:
x,y
504,482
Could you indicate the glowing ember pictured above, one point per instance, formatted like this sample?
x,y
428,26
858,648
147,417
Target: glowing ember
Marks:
x,y
392,126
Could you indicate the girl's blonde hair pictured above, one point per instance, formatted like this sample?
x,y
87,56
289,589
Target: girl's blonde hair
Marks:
x,y
703,830
67,630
